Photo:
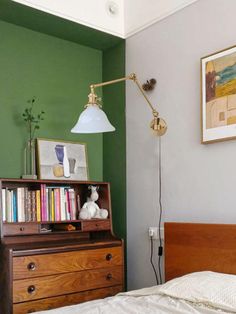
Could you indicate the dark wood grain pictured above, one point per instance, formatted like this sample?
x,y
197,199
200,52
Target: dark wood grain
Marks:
x,y
69,299
98,224
5,280
16,181
45,238
20,228
50,264
46,270
191,247
56,285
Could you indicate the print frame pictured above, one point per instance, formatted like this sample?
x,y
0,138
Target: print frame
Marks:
x,y
62,160
218,96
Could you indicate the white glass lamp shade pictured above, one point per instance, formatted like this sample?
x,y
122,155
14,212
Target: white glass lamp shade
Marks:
x,y
93,120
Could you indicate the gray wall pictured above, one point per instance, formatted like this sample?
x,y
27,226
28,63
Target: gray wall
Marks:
x,y
199,181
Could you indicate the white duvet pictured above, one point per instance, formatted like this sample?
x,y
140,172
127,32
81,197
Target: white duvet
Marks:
x,y
199,293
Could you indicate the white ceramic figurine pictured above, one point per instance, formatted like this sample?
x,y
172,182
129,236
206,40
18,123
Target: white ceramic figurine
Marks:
x,y
91,209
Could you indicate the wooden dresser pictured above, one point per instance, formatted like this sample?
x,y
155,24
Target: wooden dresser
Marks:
x,y
42,271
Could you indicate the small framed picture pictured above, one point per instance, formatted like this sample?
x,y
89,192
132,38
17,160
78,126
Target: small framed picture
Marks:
x,y
218,105
61,160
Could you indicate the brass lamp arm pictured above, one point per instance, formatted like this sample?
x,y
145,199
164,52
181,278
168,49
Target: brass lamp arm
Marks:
x,y
134,78
93,86
158,125
131,77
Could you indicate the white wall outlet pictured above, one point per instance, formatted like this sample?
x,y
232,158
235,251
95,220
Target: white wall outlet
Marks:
x,y
154,233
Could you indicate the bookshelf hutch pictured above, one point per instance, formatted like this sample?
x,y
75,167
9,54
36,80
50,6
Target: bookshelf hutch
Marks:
x,y
43,265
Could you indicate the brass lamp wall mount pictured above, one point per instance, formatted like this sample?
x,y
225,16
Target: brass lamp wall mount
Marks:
x,y
94,120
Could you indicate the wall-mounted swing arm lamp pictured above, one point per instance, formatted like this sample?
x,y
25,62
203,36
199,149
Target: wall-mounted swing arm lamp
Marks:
x,y
94,120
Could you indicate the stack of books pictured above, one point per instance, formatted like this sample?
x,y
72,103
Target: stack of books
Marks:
x,y
49,203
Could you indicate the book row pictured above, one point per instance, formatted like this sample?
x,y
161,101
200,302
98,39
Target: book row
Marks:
x,y
46,204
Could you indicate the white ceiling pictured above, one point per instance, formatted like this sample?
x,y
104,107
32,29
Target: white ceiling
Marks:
x,y
121,18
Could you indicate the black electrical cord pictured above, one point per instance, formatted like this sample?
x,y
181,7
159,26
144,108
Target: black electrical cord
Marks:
x,y
151,261
160,248
158,274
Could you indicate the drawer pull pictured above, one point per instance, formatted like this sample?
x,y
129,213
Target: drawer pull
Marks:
x,y
109,257
31,266
22,228
31,289
109,276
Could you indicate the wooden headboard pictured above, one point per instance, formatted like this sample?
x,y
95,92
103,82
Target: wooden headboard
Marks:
x,y
191,247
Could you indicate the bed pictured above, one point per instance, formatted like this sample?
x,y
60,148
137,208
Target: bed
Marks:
x,y
200,269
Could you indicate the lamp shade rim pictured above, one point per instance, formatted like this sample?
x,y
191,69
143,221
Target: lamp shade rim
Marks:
x,y
93,120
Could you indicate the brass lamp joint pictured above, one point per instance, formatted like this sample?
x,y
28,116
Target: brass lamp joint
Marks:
x,y
155,113
133,77
92,89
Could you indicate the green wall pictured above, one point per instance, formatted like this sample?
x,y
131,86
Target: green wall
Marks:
x,y
58,73
114,143
56,61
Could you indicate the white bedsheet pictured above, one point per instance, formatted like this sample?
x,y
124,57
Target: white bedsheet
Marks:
x,y
143,301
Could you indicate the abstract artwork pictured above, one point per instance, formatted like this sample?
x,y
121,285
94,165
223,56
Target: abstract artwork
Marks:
x,y
218,74
61,160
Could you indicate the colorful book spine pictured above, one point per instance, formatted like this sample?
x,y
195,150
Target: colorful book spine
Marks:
x,y
26,204
43,202
19,209
8,206
38,205
33,206
46,204
52,205
68,209
23,204
72,202
57,204
4,216
63,204
49,203
14,205
20,205
30,211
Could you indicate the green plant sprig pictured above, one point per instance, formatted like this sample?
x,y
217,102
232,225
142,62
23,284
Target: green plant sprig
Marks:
x,y
32,120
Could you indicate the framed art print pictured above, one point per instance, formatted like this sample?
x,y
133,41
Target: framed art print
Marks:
x,y
218,77
61,160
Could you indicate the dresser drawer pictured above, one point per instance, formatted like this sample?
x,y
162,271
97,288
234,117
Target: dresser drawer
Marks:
x,y
20,228
94,225
49,286
49,264
74,298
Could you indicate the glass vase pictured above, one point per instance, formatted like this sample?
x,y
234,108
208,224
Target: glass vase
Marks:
x,y
29,160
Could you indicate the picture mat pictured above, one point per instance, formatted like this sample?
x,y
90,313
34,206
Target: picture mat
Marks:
x,y
47,158
221,132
